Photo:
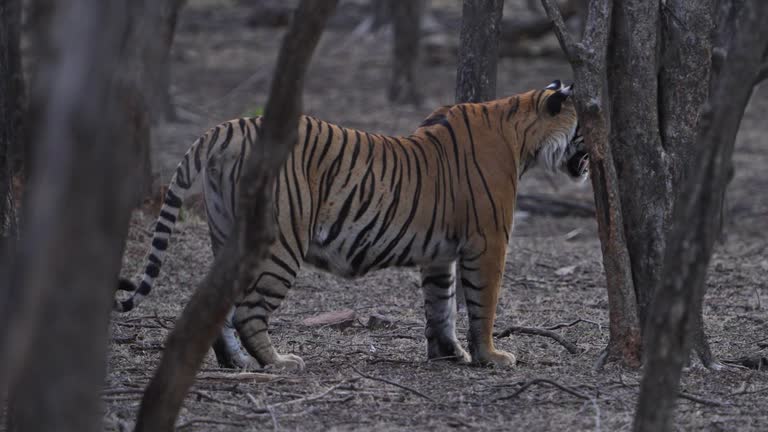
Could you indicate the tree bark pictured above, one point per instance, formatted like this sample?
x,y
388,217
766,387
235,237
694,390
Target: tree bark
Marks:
x,y
62,313
159,16
694,230
685,63
588,60
641,162
478,50
205,313
11,111
406,16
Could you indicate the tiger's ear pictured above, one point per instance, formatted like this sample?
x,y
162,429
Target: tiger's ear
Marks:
x,y
556,99
555,85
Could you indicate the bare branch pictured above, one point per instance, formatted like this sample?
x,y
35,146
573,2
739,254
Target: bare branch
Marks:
x,y
532,382
566,41
539,332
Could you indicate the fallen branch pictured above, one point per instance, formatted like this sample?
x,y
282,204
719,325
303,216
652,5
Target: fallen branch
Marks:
x,y
241,376
539,332
210,421
700,400
528,384
386,381
573,323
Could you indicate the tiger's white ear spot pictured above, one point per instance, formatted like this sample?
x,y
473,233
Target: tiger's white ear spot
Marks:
x,y
555,85
568,90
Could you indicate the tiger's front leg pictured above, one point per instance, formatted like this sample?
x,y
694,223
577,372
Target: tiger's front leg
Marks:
x,y
439,286
481,271
269,286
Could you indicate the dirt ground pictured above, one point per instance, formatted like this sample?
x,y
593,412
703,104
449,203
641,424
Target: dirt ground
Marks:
x,y
361,379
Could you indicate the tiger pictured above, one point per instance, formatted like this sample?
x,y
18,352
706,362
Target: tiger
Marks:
x,y
350,202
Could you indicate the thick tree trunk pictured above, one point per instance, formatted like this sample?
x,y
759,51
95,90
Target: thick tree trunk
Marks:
x,y
588,59
205,313
686,63
62,313
406,16
694,230
478,50
641,162
11,110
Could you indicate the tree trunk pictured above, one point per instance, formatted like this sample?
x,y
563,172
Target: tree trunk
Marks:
x,y
478,50
641,163
406,17
588,59
11,111
160,16
62,313
686,62
204,315
694,229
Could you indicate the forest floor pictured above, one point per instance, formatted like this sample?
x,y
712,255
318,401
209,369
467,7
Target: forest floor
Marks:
x,y
221,69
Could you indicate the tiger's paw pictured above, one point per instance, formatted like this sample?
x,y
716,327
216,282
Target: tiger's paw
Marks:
x,y
495,358
446,349
287,361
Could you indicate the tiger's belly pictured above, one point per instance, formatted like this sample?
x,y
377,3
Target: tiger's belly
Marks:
x,y
348,257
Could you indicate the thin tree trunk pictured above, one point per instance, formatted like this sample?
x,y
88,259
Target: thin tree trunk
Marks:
x,y
694,230
54,348
406,16
204,315
11,110
588,59
478,50
476,72
161,15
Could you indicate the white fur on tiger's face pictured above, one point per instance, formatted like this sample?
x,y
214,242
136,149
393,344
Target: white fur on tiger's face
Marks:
x,y
350,202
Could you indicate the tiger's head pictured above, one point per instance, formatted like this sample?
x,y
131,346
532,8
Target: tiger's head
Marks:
x,y
561,147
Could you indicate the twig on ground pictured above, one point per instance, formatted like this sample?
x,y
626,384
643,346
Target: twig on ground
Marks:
x,y
404,387
700,400
211,421
532,382
313,397
240,376
539,332
573,323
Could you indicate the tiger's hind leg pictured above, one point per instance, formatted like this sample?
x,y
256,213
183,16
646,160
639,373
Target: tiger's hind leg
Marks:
x,y
269,286
229,352
439,286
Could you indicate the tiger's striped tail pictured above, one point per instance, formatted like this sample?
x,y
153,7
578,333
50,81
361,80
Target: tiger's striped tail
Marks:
x,y
186,173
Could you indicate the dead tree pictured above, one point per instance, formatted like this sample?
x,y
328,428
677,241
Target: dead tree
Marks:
x,y
406,19
204,315
76,217
11,110
695,223
588,60
478,50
